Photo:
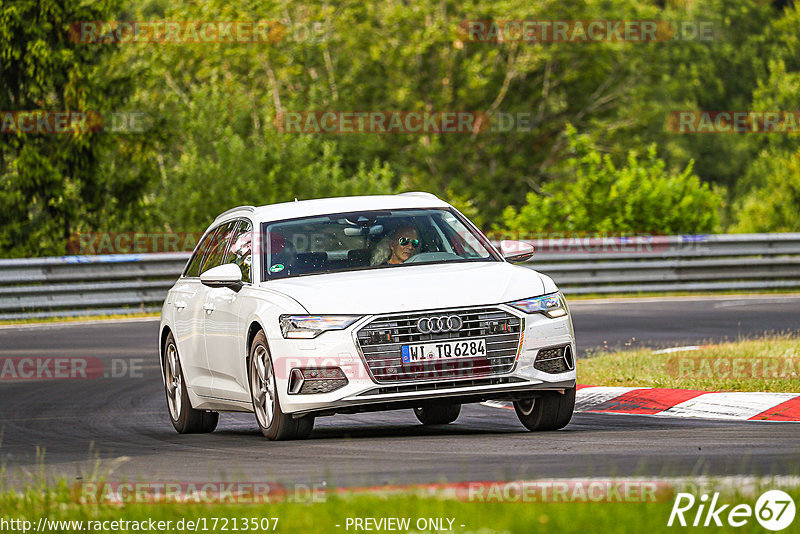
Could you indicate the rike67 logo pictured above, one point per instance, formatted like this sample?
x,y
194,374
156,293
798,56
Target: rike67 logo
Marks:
x,y
774,510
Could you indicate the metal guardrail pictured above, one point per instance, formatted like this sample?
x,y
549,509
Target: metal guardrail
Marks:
x,y
130,283
87,285
671,263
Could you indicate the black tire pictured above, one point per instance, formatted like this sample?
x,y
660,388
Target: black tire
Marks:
x,y
276,425
551,411
437,414
185,419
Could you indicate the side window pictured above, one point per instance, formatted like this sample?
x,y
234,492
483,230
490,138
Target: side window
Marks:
x,y
219,246
241,250
193,268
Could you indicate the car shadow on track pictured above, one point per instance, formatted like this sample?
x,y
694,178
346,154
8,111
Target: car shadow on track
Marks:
x,y
477,421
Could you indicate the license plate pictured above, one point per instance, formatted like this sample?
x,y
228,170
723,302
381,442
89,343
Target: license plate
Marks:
x,y
443,350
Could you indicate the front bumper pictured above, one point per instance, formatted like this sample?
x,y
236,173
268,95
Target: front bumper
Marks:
x,y
363,393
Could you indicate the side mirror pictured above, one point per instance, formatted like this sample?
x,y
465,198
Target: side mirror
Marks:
x,y
228,275
516,251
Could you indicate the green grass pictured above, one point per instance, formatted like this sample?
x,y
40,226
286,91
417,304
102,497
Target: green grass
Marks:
x,y
58,503
768,364
79,318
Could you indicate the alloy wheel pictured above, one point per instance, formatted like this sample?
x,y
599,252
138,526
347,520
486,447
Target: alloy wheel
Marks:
x,y
173,381
262,387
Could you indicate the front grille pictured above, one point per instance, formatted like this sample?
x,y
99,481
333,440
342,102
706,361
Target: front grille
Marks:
x,y
555,360
381,340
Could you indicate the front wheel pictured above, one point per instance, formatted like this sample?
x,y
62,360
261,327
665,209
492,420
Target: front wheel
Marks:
x,y
551,411
185,419
273,423
437,414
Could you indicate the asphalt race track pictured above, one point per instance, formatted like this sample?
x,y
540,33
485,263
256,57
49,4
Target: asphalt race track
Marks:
x,y
119,426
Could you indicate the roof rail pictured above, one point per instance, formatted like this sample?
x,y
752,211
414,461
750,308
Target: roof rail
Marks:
x,y
423,194
237,208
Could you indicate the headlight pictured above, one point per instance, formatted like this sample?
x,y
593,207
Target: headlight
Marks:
x,y
552,305
310,326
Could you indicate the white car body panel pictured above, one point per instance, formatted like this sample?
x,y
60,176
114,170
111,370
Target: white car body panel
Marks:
x,y
188,298
414,287
324,206
224,341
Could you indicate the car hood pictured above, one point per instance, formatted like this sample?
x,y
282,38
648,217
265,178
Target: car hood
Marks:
x,y
411,287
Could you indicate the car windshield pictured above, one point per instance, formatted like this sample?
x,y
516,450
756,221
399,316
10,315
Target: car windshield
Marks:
x,y
369,240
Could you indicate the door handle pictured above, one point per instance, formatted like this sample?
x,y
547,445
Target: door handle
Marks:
x,y
180,304
209,307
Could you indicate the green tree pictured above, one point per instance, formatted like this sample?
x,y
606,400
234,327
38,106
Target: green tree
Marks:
x,y
213,143
391,56
774,205
768,198
641,196
49,183
217,103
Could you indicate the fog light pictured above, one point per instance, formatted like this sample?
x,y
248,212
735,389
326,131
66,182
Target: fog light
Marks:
x,y
312,380
555,360
568,358
295,381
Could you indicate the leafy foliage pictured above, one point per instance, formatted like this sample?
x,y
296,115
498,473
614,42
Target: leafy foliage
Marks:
x,y
640,195
49,183
773,206
212,141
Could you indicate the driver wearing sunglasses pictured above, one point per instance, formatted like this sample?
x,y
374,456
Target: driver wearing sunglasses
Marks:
x,y
403,244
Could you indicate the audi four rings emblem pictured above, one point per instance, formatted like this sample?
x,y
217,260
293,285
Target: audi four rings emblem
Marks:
x,y
436,325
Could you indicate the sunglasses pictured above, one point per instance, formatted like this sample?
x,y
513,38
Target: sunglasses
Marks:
x,y
405,241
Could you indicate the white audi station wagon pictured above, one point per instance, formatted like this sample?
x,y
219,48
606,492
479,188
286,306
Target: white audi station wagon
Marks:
x,y
307,309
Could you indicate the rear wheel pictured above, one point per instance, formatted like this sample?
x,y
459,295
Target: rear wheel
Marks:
x,y
273,423
185,419
551,411
437,414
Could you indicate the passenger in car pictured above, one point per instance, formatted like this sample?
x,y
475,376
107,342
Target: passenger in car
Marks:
x,y
404,244
397,247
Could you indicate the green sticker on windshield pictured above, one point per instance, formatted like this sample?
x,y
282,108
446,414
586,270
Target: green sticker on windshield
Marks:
x,y
278,267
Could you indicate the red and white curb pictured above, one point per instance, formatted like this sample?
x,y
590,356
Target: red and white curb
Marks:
x,y
686,403
689,403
